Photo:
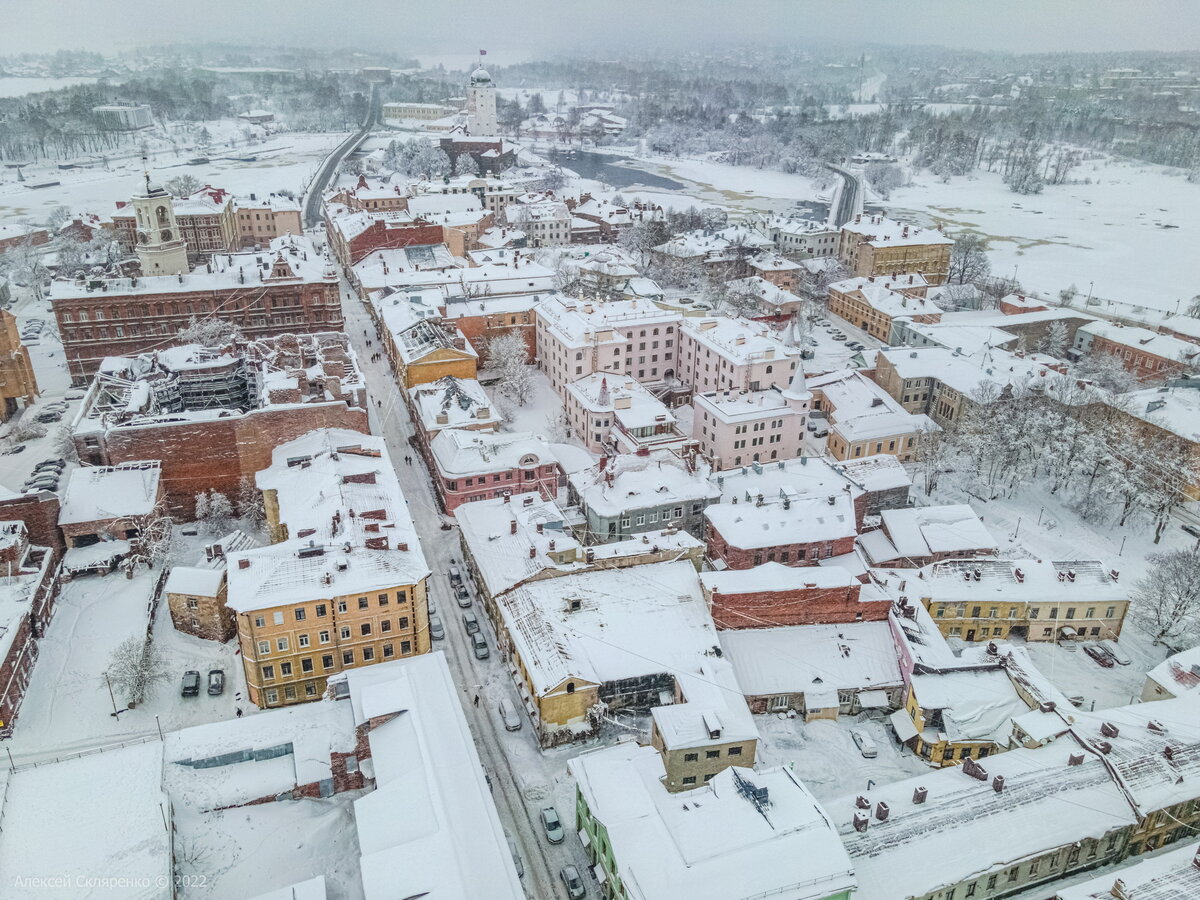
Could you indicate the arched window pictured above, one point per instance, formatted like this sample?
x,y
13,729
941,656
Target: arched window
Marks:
x,y
570,687
769,368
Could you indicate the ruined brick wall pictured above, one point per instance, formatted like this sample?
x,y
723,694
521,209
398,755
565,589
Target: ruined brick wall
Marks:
x,y
811,606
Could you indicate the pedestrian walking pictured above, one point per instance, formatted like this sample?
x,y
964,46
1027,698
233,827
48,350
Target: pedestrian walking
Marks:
x,y
239,712
476,699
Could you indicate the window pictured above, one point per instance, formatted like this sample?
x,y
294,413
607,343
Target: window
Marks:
x,y
306,664
383,598
264,647
735,751
321,610
406,648
259,622
712,754
691,757
402,622
323,637
302,640
689,779
364,629
272,696
344,632
289,692
278,617
347,657
385,625
327,661
285,669
362,602
300,614
281,644
268,673
193,603
310,690
341,607
388,651
368,654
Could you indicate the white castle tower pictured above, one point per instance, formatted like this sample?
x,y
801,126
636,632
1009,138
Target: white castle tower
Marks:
x,y
160,248
481,104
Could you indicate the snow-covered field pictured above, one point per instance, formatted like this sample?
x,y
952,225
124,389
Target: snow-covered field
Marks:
x,y
21,87
283,162
1131,231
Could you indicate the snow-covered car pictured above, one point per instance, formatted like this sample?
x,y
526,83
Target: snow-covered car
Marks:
x,y
436,631
508,715
479,645
1098,654
866,746
191,684
553,825
574,884
1113,649
470,622
461,595
216,682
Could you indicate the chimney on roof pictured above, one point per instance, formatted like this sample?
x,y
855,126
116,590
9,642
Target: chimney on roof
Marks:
x,y
541,527
881,811
1075,759
920,795
862,802
1109,730
243,563
512,527
860,821
998,784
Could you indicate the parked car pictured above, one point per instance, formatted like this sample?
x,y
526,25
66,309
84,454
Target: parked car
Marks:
x,y
1113,649
821,430
575,886
216,682
508,715
856,346
74,395
470,622
866,746
512,848
48,418
553,825
480,645
59,464
1192,530
461,595
1097,653
455,575
191,684
42,484
851,344
436,631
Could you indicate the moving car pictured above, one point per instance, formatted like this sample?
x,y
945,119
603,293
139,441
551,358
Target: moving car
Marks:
x,y
575,886
470,622
1113,649
480,645
866,746
1097,653
553,825
191,684
216,682
508,715
436,631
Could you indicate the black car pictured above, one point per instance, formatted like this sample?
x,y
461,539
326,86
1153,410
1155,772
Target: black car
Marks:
x,y
216,682
191,684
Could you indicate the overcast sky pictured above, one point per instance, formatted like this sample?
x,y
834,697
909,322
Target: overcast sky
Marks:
x,y
539,27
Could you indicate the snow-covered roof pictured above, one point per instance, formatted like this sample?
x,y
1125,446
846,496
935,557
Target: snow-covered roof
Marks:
x,y
736,406
884,294
97,816
740,341
459,452
713,842
713,702
765,292
630,402
195,581
966,372
377,268
773,576
431,205
812,658
1179,673
1168,876
1018,580
976,705
924,531
631,622
577,323
482,280
629,481
452,402
1046,803
803,500
862,410
880,231
1142,340
430,827
230,272
1176,410
313,731
1154,748
878,472
101,493
335,489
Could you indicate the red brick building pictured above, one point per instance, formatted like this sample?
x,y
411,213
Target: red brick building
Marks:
x,y
311,382
1147,354
16,235
774,594
288,289
28,588
354,237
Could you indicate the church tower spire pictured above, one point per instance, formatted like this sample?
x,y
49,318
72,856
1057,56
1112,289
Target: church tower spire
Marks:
x,y
160,248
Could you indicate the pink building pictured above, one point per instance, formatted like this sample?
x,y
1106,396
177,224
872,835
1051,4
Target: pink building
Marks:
x,y
628,338
612,414
722,354
477,465
735,428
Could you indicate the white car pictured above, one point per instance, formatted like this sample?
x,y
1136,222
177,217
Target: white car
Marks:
x,y
866,746
1120,657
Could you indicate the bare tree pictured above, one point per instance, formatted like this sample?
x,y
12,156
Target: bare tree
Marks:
x,y
508,356
137,668
183,185
968,260
1166,602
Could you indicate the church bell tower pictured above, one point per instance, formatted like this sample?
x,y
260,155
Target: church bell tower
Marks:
x,y
160,248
